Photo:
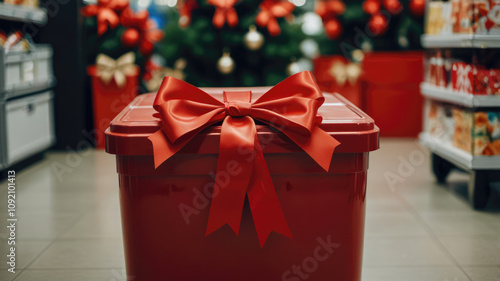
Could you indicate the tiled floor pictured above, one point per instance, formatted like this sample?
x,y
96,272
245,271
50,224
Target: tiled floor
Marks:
x,y
69,222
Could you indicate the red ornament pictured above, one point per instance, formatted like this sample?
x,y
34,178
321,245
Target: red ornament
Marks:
x,y
130,38
417,7
378,24
333,28
371,7
393,6
329,10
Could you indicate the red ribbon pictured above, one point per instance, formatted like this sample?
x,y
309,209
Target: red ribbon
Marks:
x,y
106,12
185,9
224,12
291,107
270,11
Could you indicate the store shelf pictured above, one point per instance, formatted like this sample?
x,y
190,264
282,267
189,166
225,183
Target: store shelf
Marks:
x,y
461,41
459,98
22,13
458,156
28,88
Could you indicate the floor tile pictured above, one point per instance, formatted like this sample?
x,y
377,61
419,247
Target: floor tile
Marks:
x,y
78,254
391,205
97,225
460,224
8,276
45,225
393,225
403,252
474,249
26,251
74,275
483,273
448,273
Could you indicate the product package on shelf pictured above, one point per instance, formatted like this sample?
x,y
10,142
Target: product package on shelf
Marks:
x,y
28,3
476,132
463,17
235,178
465,75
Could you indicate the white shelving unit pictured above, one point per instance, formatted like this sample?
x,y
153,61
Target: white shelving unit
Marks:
x,y
22,13
457,156
483,169
26,97
461,41
459,98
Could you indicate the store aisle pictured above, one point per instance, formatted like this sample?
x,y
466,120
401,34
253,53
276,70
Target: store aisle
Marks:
x,y
69,221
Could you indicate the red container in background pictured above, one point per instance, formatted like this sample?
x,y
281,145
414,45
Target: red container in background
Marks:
x,y
324,72
390,92
165,211
108,100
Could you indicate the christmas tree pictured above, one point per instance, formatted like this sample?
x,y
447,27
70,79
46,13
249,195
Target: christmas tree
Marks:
x,y
259,42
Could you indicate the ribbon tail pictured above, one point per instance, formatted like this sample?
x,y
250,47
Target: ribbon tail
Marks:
x,y
163,148
219,18
264,204
231,17
320,145
273,27
234,169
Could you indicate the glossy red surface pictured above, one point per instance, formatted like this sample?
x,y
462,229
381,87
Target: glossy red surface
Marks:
x,y
391,91
320,208
108,101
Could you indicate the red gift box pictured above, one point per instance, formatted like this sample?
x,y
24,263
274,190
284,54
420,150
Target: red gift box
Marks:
x,y
391,91
109,99
166,210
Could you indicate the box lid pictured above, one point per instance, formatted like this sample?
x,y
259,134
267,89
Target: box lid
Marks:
x,y
129,131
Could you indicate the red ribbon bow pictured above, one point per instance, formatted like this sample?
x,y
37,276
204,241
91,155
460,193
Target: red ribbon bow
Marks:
x,y
224,12
270,10
291,107
106,12
146,28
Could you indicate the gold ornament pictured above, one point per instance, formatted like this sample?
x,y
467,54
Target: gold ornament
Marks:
x,y
292,68
253,39
225,64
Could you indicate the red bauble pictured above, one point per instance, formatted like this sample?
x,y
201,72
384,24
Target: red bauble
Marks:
x,y
371,7
337,7
333,28
417,7
130,38
393,6
378,24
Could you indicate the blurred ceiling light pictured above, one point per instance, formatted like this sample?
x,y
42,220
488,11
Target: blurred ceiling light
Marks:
x,y
170,3
143,4
311,23
298,3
